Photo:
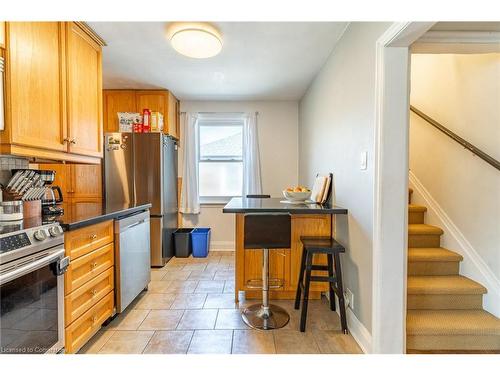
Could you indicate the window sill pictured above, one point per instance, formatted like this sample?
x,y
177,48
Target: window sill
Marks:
x,y
215,201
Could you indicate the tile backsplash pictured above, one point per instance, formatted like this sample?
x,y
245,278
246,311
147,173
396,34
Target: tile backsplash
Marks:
x,y
10,162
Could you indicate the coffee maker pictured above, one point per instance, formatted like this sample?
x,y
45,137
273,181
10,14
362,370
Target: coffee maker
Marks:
x,y
51,201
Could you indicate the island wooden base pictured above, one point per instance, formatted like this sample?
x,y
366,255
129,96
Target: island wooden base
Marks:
x,y
284,264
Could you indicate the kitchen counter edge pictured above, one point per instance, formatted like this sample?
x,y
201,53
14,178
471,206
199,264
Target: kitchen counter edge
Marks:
x,y
106,216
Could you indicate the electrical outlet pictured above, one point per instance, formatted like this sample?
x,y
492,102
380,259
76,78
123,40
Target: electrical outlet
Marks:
x,y
349,299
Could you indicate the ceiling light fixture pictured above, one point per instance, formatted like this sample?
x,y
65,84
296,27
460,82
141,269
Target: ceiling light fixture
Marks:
x,y
199,40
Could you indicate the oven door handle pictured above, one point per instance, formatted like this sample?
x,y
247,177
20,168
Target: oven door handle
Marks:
x,y
21,271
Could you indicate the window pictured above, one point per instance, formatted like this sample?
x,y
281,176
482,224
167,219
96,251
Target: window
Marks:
x,y
220,159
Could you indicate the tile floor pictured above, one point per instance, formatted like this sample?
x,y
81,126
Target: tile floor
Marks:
x,y
189,308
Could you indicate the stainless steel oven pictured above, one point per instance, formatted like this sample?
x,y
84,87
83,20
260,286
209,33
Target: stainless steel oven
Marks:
x,y
32,291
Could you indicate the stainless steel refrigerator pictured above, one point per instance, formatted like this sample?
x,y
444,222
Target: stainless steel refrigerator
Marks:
x,y
142,168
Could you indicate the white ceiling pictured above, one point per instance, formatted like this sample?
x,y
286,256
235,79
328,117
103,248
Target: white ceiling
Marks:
x,y
259,60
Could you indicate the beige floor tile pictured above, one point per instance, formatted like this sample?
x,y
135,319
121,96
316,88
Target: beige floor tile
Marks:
x,y
173,266
226,260
176,261
176,275
220,301
169,342
202,275
230,319
129,320
214,260
335,342
161,320
217,266
159,286
210,286
155,301
198,319
224,275
157,274
253,342
127,342
295,342
195,267
189,301
228,286
96,343
211,342
188,286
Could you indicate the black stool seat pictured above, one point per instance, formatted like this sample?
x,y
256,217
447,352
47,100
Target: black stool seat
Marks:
x,y
332,249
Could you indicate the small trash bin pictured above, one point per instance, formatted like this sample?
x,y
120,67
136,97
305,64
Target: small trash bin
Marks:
x,y
182,242
201,242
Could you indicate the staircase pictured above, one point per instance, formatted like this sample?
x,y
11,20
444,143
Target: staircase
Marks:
x,y
445,311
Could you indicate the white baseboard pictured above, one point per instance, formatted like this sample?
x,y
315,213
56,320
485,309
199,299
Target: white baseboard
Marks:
x,y
356,329
222,245
359,332
475,267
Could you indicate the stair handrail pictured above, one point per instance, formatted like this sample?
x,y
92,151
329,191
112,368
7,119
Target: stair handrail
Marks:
x,y
469,146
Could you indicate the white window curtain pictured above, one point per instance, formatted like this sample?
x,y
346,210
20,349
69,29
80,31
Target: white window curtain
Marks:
x,y
252,183
190,197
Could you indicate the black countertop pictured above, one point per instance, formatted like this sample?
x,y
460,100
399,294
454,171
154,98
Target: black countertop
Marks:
x,y
78,215
249,205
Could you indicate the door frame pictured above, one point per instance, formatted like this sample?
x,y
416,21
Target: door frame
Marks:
x,y
392,94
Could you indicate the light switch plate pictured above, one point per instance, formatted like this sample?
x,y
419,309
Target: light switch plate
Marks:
x,y
363,160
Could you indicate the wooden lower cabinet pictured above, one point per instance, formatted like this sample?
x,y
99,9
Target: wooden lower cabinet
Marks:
x,y
88,282
83,328
85,240
284,264
83,298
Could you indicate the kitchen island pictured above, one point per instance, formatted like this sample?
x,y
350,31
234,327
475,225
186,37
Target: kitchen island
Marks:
x,y
284,264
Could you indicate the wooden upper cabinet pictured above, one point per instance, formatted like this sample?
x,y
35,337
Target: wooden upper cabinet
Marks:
x,y
84,84
35,85
172,116
78,182
154,100
2,34
86,181
136,101
117,101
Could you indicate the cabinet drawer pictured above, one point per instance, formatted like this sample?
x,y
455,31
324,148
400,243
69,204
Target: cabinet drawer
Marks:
x,y
83,298
82,241
83,328
87,267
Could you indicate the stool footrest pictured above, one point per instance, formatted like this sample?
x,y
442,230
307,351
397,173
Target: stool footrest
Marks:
x,y
273,284
319,268
325,279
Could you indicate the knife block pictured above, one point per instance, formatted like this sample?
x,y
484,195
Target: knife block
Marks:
x,y
32,209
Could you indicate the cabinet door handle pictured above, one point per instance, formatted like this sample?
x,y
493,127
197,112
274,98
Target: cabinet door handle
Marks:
x,y
93,292
65,140
72,141
94,319
93,236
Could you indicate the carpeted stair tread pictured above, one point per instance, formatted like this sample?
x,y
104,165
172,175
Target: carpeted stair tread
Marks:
x,y
453,284
423,229
432,254
452,322
416,208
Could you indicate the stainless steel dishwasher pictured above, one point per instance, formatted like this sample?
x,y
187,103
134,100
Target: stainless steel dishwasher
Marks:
x,y
132,258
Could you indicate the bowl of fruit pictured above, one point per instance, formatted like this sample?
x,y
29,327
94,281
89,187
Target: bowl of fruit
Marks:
x,y
297,193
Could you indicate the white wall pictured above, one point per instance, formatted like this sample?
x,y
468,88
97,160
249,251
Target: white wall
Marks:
x,y
336,124
277,124
463,93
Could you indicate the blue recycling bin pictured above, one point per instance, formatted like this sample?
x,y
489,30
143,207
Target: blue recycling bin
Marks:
x,y
200,240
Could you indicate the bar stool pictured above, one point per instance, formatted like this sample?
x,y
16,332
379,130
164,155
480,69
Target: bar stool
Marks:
x,y
332,249
266,231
